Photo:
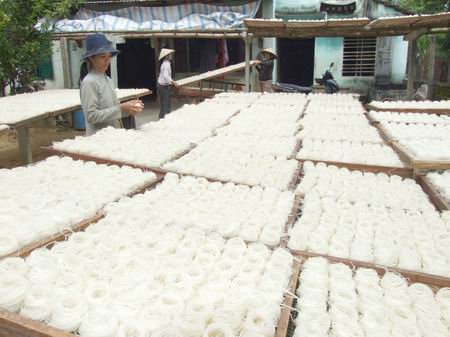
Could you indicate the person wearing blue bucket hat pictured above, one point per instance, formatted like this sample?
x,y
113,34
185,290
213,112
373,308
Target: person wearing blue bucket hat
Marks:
x,y
99,100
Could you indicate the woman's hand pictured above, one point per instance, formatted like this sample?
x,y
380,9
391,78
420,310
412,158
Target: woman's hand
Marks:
x,y
133,107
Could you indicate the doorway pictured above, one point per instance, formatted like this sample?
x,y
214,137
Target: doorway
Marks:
x,y
136,66
296,61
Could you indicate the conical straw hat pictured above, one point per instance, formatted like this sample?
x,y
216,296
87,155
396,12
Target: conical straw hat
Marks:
x,y
164,52
270,51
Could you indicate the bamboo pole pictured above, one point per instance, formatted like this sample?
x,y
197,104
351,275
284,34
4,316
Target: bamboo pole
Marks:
x,y
432,51
247,41
67,74
412,50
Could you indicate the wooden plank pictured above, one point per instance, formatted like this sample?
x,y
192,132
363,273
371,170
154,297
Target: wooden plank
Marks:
x,y
385,135
410,110
431,164
420,164
99,160
306,24
373,122
283,322
434,21
262,23
213,74
14,325
291,220
435,196
415,34
404,172
413,276
393,22
195,92
296,149
296,176
352,23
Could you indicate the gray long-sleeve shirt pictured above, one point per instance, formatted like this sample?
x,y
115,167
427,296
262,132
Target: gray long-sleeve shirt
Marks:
x,y
99,101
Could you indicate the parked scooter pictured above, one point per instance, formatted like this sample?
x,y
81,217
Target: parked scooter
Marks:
x,y
328,81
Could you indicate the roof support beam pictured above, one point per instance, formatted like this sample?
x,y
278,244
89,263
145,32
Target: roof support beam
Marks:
x,y
248,43
414,35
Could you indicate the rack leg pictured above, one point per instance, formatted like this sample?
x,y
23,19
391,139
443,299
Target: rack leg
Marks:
x,y
24,145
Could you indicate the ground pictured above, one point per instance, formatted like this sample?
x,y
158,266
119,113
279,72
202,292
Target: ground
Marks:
x,y
44,136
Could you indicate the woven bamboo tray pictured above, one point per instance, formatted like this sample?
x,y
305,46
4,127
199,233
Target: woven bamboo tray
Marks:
x,y
49,240
14,325
413,276
302,257
405,172
435,196
99,160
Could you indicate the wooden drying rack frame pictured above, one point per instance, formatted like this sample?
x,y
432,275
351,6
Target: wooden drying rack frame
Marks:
x,y
301,257
13,324
427,111
406,157
49,240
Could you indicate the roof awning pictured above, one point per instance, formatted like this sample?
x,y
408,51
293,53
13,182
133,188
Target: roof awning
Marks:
x,y
193,16
389,26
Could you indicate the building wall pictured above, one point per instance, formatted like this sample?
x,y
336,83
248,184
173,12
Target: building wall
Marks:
x,y
330,49
399,59
75,54
58,80
378,10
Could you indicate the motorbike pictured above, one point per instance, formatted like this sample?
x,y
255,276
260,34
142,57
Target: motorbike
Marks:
x,y
290,88
328,81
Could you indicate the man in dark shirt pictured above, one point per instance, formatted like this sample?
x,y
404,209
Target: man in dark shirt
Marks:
x,y
265,68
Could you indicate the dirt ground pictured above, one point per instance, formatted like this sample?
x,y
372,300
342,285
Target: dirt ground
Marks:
x,y
40,136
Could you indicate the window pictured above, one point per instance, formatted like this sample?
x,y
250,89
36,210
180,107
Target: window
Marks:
x,y
359,56
45,70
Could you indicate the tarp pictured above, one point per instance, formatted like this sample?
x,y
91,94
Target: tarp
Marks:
x,y
188,16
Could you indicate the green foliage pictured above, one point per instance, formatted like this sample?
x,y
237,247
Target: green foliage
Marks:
x,y
426,6
442,40
25,28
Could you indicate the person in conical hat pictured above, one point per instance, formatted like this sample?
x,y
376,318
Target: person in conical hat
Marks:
x,y
165,81
99,100
265,68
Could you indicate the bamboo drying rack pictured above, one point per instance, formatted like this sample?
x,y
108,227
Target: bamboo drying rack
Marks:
x,y
405,172
433,193
436,282
49,240
427,111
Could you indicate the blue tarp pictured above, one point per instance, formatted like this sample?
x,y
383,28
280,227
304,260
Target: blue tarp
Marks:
x,y
188,16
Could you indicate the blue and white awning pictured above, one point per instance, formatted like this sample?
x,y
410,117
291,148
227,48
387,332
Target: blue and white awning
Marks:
x,y
188,16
